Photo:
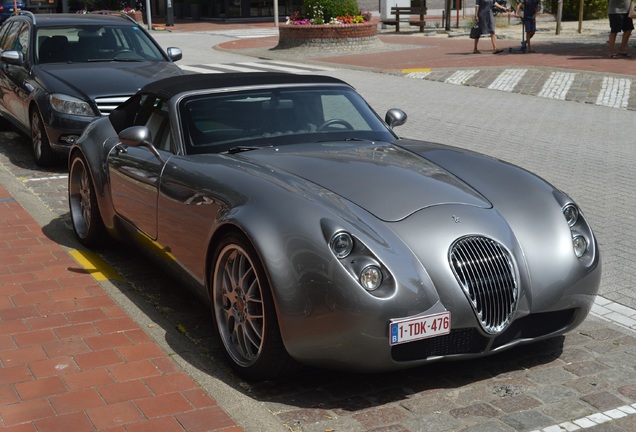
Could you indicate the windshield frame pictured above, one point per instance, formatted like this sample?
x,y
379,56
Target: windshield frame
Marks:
x,y
250,126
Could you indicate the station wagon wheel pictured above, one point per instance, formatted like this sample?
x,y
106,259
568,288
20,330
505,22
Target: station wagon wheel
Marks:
x,y
341,122
42,151
87,222
244,312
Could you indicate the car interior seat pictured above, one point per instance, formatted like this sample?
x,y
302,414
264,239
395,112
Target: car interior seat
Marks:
x,y
55,50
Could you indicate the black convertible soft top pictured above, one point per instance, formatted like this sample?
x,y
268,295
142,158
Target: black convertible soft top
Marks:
x,y
169,87
166,88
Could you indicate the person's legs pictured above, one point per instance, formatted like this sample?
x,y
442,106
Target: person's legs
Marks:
x,y
475,50
531,27
628,27
493,39
612,43
624,42
528,46
616,25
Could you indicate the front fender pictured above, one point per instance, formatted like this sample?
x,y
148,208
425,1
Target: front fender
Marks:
x,y
94,145
310,286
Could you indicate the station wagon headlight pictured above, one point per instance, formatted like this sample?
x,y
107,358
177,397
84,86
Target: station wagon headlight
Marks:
x,y
341,245
70,105
371,278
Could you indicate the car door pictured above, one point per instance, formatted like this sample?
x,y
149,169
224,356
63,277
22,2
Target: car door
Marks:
x,y
13,77
135,171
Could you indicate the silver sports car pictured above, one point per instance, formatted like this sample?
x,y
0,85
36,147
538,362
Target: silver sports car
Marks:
x,y
319,237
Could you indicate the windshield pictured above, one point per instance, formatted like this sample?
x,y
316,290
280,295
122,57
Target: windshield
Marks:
x,y
91,43
216,123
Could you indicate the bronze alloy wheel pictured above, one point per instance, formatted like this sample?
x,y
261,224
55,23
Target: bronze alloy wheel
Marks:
x,y
244,312
85,216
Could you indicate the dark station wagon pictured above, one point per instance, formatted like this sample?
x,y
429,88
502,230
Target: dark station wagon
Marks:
x,y
58,72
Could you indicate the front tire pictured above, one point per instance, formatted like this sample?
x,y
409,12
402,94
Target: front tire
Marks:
x,y
244,312
42,152
87,222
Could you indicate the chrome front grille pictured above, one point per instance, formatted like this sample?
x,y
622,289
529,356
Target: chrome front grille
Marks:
x,y
107,104
486,274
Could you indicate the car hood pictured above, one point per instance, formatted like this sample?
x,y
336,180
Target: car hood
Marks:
x,y
387,181
103,78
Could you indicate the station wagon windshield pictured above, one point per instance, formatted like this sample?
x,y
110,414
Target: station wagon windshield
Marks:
x,y
90,43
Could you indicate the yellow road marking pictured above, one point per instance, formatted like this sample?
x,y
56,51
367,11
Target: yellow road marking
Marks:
x,y
416,70
95,266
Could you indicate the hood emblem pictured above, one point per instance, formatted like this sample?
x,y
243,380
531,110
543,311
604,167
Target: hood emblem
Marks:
x,y
456,219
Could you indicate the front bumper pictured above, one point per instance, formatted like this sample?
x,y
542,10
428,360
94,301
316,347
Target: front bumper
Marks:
x,y
63,130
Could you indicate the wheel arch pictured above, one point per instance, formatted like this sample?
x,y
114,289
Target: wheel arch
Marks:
x,y
100,184
221,231
26,129
225,229
278,362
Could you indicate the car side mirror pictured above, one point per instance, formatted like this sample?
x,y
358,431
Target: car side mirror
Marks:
x,y
12,57
395,117
175,54
138,136
135,136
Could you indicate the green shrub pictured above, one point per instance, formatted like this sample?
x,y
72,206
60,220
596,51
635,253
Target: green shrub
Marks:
x,y
593,9
330,9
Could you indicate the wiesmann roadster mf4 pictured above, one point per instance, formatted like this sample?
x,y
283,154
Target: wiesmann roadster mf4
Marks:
x,y
319,237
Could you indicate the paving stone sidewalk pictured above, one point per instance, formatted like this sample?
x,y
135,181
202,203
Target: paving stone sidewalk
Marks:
x,y
72,359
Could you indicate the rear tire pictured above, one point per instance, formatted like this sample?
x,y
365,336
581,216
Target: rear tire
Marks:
x,y
42,152
244,312
87,222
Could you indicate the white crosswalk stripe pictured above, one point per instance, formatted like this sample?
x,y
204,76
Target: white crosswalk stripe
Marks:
x,y
614,92
264,66
557,86
418,75
461,77
508,80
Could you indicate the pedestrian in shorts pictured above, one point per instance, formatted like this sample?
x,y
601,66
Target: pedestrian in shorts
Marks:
x,y
619,20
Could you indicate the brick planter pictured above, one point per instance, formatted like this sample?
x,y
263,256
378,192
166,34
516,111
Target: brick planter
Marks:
x,y
136,15
335,37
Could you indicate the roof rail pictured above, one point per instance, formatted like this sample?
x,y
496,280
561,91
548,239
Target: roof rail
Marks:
x,y
28,13
112,12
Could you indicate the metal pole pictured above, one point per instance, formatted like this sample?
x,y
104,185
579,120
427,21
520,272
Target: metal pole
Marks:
x,y
559,13
457,6
148,15
447,7
581,16
276,13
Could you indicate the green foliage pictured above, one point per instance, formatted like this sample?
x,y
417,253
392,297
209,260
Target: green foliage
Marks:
x,y
325,10
593,9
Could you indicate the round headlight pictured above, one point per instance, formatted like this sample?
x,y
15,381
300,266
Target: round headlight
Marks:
x,y
371,278
571,213
580,245
341,244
